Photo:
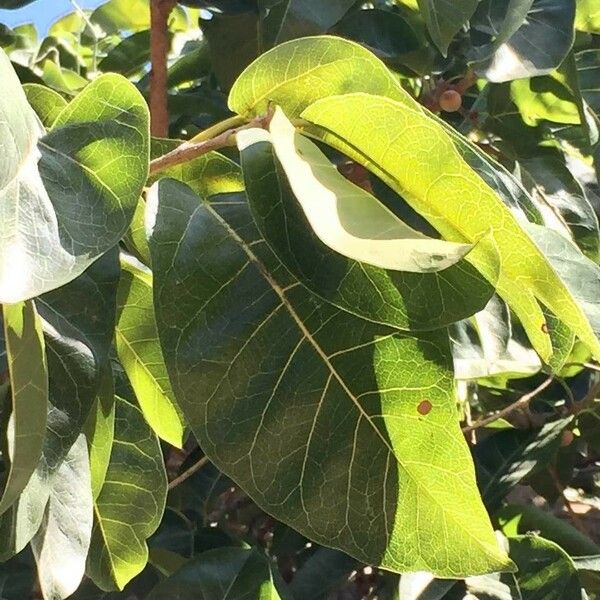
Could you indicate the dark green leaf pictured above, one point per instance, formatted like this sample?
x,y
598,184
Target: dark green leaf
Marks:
x,y
533,45
504,458
226,574
329,442
519,520
129,56
444,19
289,19
546,572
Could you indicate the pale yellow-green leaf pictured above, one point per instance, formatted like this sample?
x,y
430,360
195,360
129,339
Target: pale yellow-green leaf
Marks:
x,y
346,217
139,350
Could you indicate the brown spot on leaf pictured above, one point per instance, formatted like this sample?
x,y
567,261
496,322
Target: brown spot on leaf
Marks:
x,y
424,407
545,328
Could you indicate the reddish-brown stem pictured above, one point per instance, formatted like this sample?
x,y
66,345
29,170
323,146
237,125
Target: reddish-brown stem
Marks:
x,y
190,150
159,51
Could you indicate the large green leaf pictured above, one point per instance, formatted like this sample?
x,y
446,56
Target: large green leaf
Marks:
x,y
226,574
534,43
424,165
444,19
133,15
140,354
61,544
131,501
29,389
344,429
67,197
405,300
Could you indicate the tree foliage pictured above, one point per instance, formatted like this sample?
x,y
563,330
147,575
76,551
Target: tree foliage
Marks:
x,y
338,336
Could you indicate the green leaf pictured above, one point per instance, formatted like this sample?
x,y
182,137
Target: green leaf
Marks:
x,y
588,70
224,573
405,300
321,573
131,502
297,73
133,15
129,56
233,42
548,97
289,19
79,323
61,214
397,37
533,45
515,520
28,374
60,546
135,238
587,17
427,169
99,430
504,458
444,19
47,103
546,572
139,351
331,440
537,37
561,200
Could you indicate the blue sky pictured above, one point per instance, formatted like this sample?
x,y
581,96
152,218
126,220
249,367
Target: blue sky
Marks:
x,y
43,12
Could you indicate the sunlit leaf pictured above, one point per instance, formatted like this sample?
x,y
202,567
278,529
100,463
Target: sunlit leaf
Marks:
x,y
131,501
463,207
67,197
140,354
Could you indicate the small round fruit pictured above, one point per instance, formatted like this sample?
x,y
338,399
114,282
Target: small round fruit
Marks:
x,y
567,438
450,101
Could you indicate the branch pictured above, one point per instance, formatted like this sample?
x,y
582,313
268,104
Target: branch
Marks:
x,y
520,404
159,50
188,472
190,150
